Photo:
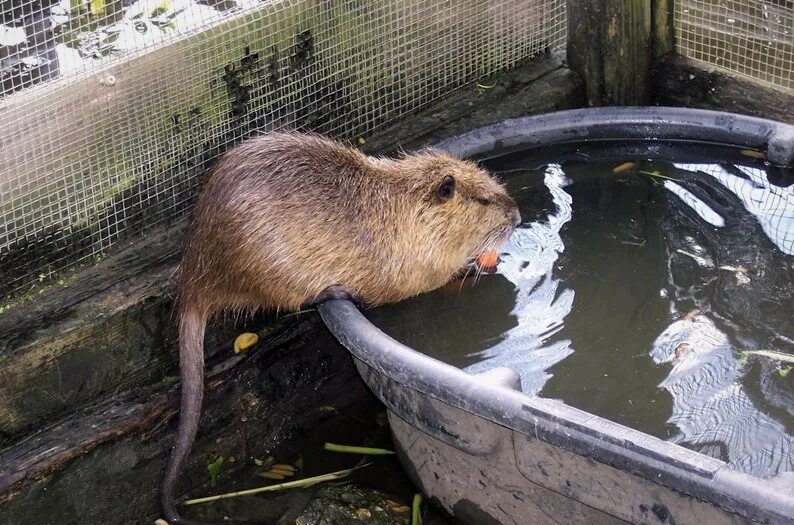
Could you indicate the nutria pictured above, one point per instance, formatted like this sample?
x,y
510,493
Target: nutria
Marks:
x,y
288,219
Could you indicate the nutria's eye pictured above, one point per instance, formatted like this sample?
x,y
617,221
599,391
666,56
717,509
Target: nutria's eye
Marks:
x,y
446,189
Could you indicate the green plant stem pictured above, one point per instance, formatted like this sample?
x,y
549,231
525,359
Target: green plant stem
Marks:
x,y
771,354
659,175
301,483
416,515
333,447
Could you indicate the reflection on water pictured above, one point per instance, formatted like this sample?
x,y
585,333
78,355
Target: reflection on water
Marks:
x,y
772,206
540,306
717,408
711,409
637,296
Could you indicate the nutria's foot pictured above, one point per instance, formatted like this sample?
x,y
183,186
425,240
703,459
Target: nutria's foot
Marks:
x,y
335,292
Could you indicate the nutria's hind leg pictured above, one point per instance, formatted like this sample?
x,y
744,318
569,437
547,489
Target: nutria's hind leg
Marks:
x,y
334,292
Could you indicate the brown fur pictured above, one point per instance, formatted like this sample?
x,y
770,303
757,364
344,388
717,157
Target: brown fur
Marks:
x,y
285,216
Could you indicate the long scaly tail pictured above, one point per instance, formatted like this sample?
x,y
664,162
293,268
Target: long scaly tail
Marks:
x,y
192,323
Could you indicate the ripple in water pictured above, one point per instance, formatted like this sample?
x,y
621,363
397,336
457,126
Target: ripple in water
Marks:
x,y
540,304
642,296
711,409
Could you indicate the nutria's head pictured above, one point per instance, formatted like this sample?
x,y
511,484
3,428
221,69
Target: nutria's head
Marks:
x,y
461,210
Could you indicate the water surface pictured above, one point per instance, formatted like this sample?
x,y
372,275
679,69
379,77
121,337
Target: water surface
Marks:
x,y
639,293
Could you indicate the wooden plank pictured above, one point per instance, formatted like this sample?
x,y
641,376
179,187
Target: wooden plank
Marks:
x,y
610,46
103,330
104,464
662,16
79,433
679,81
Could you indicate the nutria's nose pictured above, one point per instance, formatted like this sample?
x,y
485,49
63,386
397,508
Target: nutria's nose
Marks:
x,y
510,209
516,217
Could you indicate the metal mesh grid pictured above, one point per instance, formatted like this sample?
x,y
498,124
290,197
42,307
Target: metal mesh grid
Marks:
x,y
754,38
112,109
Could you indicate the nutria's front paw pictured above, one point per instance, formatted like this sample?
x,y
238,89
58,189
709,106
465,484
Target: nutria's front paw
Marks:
x,y
334,292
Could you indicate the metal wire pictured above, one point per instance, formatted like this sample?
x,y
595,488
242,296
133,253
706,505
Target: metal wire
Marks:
x,y
110,110
753,38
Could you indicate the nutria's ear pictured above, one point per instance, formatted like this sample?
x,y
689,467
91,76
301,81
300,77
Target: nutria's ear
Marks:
x,y
445,189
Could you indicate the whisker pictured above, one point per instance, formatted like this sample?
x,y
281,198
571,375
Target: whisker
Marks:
x,y
477,275
463,280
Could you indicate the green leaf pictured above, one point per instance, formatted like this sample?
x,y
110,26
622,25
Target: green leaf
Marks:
x,y
214,468
96,7
160,9
264,463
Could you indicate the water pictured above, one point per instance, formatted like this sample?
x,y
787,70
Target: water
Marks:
x,y
639,296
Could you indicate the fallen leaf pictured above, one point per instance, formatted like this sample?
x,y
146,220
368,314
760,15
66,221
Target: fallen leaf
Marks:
x,y
214,468
754,154
245,341
620,168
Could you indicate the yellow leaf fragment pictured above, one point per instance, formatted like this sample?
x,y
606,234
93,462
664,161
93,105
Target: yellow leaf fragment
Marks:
x,y
620,168
245,341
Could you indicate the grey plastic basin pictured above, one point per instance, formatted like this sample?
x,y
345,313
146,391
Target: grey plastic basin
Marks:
x,y
490,454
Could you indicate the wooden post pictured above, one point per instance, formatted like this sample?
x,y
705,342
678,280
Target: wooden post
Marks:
x,y
610,44
663,28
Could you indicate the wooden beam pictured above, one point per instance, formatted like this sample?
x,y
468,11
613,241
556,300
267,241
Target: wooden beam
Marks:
x,y
663,27
87,463
610,46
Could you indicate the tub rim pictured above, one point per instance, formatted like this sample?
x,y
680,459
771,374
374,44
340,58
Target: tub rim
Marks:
x,y
495,399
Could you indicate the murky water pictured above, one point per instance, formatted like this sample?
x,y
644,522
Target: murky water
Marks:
x,y
641,293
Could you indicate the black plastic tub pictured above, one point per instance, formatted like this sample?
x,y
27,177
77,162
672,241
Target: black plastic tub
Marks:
x,y
489,453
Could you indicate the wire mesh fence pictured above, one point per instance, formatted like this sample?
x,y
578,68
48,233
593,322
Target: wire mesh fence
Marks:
x,y
110,110
753,38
